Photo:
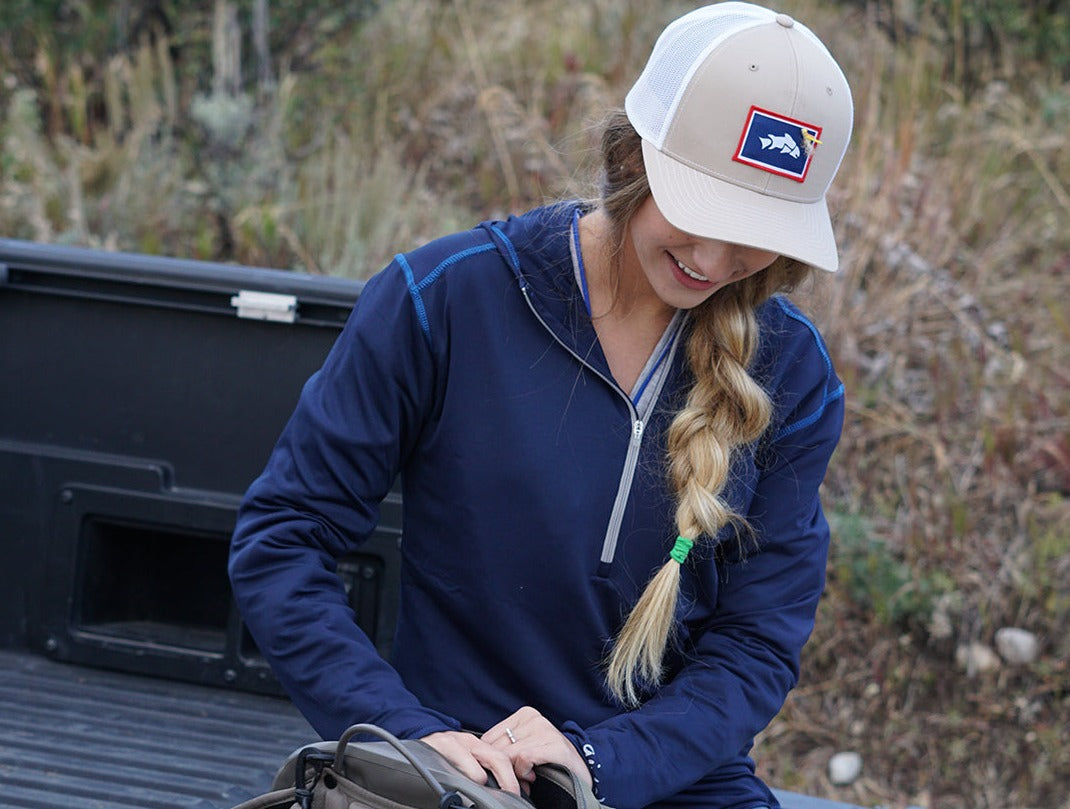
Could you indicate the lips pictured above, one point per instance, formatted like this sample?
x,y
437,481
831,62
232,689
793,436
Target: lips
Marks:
x,y
690,272
687,277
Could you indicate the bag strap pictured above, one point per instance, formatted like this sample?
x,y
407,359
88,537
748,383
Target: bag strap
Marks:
x,y
447,799
440,784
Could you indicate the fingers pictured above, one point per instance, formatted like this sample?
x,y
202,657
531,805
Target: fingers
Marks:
x,y
475,757
525,723
510,751
529,739
501,767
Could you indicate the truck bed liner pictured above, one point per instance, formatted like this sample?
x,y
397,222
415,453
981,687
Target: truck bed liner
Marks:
x,y
75,736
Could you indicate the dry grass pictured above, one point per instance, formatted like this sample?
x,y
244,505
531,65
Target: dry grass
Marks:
x,y
949,327
950,494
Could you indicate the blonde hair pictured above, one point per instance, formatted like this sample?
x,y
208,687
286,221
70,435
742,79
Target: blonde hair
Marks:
x,y
725,409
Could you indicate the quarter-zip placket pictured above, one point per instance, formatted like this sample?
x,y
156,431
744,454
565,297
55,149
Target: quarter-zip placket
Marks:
x,y
640,411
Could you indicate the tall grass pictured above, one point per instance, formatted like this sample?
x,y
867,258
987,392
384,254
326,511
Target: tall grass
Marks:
x,y
950,493
949,327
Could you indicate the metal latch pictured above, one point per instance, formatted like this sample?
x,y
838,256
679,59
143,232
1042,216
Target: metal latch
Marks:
x,y
265,306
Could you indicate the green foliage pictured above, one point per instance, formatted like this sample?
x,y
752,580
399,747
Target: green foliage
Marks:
x,y
1047,582
986,39
866,570
66,27
1036,31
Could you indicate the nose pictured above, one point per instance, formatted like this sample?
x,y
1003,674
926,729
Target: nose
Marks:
x,y
718,260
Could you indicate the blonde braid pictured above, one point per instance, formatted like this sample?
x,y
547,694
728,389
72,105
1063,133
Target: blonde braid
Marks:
x,y
725,409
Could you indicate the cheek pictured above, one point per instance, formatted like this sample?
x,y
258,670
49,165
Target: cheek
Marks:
x,y
756,260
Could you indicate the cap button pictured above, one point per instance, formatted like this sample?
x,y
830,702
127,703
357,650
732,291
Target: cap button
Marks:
x,y
785,20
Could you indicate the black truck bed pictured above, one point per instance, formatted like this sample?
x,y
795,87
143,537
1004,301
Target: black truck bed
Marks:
x,y
77,736
72,736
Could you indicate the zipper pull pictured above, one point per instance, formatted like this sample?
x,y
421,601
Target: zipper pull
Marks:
x,y
637,431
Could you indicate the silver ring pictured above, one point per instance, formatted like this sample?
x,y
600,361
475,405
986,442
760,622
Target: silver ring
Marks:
x,y
509,733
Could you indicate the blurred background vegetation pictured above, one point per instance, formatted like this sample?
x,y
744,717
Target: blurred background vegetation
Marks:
x,y
324,137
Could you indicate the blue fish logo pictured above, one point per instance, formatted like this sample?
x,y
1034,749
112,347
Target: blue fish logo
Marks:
x,y
777,144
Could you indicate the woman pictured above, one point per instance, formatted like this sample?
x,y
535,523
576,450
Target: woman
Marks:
x,y
577,399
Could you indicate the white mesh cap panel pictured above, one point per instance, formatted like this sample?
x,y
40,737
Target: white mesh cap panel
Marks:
x,y
679,51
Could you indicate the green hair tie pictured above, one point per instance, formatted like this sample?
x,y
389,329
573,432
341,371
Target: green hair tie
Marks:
x,y
680,549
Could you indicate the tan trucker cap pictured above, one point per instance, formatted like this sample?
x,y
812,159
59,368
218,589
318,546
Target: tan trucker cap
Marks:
x,y
744,117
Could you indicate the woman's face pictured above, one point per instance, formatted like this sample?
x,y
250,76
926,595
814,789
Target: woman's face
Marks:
x,y
683,270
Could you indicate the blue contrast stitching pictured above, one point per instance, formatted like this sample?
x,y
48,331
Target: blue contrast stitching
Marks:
x,y
416,288
447,263
813,330
514,259
414,293
808,420
830,396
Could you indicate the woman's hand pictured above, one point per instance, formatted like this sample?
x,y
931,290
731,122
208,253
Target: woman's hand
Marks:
x,y
475,757
528,739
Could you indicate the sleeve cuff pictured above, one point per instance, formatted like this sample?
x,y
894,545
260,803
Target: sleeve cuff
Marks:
x,y
578,736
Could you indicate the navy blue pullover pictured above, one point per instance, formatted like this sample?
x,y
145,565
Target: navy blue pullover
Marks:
x,y
535,510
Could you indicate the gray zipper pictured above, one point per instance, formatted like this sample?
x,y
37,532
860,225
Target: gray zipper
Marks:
x,y
646,404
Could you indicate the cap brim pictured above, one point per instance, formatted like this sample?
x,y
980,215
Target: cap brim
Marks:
x,y
716,209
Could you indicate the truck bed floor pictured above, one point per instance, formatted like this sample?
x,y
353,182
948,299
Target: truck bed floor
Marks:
x,y
75,736
78,737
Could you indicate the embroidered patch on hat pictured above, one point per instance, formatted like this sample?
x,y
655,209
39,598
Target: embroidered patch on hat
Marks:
x,y
777,144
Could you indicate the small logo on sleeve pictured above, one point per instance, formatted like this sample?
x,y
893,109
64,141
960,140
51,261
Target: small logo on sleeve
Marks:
x,y
777,144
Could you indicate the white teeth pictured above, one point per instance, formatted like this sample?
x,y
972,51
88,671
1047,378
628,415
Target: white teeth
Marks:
x,y
690,272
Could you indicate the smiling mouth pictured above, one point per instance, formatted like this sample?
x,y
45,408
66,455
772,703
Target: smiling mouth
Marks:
x,y
690,273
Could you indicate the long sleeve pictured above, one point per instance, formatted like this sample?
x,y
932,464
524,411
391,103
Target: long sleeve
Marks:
x,y
318,498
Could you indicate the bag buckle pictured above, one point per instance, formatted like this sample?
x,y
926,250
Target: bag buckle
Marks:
x,y
318,760
450,800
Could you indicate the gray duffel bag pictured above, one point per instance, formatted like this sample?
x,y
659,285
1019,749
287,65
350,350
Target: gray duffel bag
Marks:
x,y
396,774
